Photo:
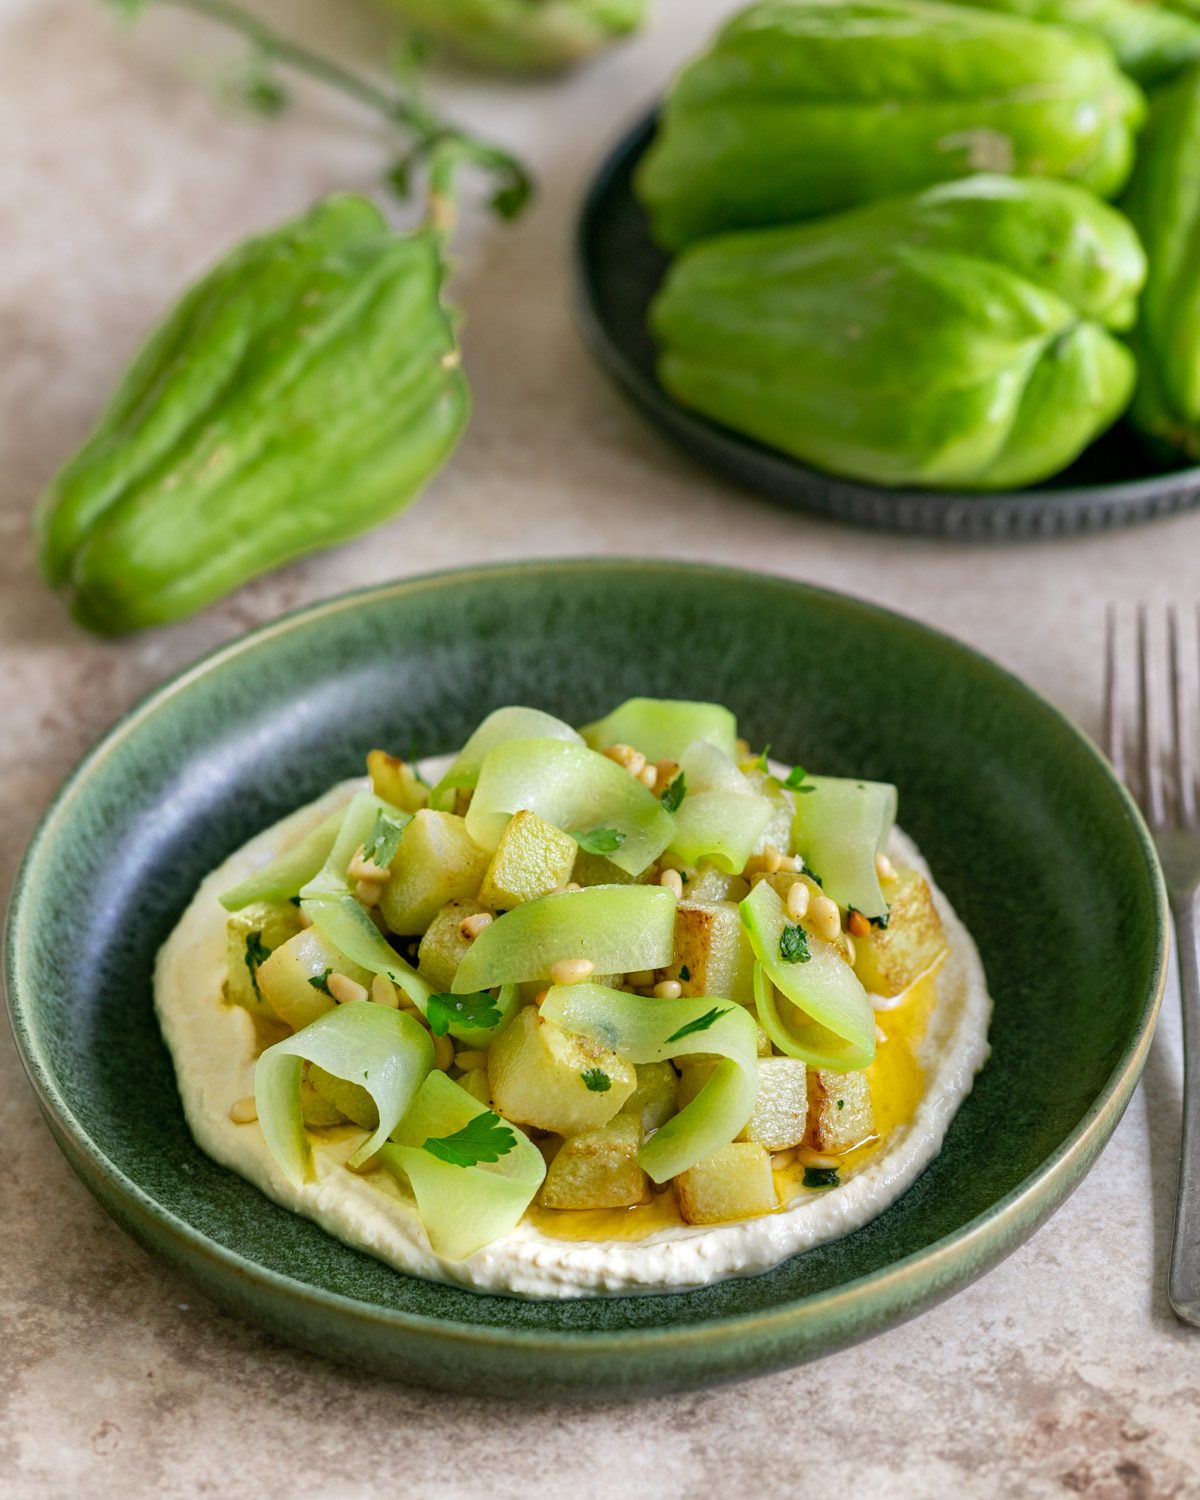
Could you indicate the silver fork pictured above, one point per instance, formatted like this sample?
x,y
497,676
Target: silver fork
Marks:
x,y
1165,785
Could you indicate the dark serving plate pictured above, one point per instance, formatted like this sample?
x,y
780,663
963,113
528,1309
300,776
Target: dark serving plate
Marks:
x,y
618,270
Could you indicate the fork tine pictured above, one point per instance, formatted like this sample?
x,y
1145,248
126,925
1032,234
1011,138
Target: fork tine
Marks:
x,y
1114,739
1151,767
1185,786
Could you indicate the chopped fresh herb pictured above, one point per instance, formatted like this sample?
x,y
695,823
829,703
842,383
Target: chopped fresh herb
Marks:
x,y
383,841
702,1024
796,778
821,1177
366,1075
479,1009
674,793
841,1104
599,840
684,972
321,982
484,1138
597,1080
813,876
257,953
793,944
295,900
761,762
880,922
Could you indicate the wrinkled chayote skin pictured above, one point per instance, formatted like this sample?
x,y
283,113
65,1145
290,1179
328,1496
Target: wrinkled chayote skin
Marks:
x,y
1164,203
804,107
957,338
1151,41
301,392
523,36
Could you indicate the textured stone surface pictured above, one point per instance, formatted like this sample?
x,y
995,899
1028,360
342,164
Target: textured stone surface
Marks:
x,y
1062,1372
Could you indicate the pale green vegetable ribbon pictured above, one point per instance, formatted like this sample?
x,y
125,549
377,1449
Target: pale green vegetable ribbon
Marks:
x,y
513,723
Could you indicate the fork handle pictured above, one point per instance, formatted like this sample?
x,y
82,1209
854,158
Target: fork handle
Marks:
x,y
1183,1286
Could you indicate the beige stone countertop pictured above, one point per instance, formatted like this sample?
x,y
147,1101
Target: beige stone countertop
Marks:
x,y
1060,1373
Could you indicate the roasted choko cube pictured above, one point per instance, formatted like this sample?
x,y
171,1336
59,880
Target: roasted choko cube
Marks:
x,y
840,1113
712,955
551,1079
396,782
294,980
443,945
890,959
656,1096
780,1118
300,393
523,36
961,337
437,862
733,1183
251,936
598,1169
802,107
532,859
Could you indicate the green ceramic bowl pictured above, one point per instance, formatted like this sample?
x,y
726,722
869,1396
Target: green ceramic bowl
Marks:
x,y
1033,839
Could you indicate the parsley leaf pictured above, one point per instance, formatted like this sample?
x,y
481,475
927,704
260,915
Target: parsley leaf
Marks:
x,y
383,841
761,763
479,1009
674,794
599,840
821,1177
793,944
597,1080
684,972
257,953
702,1024
484,1138
796,778
321,982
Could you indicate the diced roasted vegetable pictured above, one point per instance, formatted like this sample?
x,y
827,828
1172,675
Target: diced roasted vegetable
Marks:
x,y
477,1085
712,947
544,1076
733,1183
655,1098
437,861
443,946
889,959
251,935
780,1118
315,1110
532,859
598,1169
594,869
293,980
711,884
840,1113
395,781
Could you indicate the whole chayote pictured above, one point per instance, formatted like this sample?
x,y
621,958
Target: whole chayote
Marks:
x,y
301,392
804,107
523,36
1164,203
955,338
1151,41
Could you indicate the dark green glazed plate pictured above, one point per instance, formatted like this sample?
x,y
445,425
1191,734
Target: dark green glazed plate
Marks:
x,y
618,271
1025,826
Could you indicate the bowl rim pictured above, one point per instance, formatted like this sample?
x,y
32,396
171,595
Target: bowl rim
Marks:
x,y
978,1244
654,401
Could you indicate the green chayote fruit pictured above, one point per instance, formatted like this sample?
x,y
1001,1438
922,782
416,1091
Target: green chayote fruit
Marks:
x,y
523,36
1151,41
302,391
1164,203
804,107
954,338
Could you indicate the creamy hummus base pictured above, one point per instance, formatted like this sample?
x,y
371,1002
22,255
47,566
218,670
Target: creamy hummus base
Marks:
x,y
213,1047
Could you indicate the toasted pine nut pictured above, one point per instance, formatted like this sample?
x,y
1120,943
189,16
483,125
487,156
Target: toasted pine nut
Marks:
x,y
368,892
384,992
807,1157
851,952
469,1061
857,924
769,861
788,863
880,1034
345,990
781,1159
826,919
666,772
540,996
443,1052
884,868
797,900
672,880
625,755
362,868
470,927
668,989
648,776
572,885
641,979
245,1111
572,970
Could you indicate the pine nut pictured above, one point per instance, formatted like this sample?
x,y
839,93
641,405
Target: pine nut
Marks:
x,y
469,1061
362,868
572,885
782,1159
826,919
368,892
807,1157
668,989
245,1111
625,755
470,927
851,952
572,970
788,864
884,868
797,900
648,776
769,861
880,1034
666,771
384,992
540,996
345,990
443,1052
857,924
672,881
